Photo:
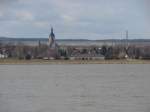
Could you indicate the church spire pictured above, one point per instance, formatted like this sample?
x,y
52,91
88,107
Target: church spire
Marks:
x,y
52,35
51,29
52,42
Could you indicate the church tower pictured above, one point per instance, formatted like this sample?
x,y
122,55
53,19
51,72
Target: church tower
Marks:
x,y
52,41
52,52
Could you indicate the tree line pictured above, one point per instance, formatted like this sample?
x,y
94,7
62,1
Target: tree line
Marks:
x,y
21,51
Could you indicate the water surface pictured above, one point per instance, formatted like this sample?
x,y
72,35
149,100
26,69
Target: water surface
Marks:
x,y
74,88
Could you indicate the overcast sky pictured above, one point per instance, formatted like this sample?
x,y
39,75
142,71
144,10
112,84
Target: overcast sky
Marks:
x,y
88,19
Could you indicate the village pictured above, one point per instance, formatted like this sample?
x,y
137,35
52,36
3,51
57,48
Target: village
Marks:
x,y
53,51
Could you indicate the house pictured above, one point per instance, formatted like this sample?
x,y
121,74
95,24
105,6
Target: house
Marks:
x,y
86,53
87,57
2,56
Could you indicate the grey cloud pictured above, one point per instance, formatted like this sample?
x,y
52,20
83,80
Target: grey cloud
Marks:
x,y
76,16
7,2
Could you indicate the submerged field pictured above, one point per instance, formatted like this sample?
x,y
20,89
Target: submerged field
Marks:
x,y
75,88
40,61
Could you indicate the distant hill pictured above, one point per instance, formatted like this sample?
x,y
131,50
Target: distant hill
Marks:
x,y
85,42
21,39
45,39
37,39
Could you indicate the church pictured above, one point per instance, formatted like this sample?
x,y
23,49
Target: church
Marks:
x,y
52,41
52,52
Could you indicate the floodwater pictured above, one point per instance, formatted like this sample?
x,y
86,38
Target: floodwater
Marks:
x,y
74,88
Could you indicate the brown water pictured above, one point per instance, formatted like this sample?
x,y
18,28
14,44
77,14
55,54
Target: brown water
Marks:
x,y
75,88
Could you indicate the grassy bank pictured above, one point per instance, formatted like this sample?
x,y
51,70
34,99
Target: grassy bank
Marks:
x,y
39,61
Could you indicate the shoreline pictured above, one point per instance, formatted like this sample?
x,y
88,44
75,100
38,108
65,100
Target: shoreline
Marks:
x,y
59,62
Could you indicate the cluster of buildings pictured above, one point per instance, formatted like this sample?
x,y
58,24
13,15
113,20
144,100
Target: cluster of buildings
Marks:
x,y
71,52
52,51
3,53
